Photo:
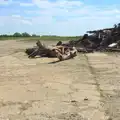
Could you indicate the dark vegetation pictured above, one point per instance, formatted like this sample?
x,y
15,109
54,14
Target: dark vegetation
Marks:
x,y
27,36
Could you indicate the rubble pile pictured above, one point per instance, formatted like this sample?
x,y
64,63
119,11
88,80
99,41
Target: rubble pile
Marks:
x,y
59,51
98,40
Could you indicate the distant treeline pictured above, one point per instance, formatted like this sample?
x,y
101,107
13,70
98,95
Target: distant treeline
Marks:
x,y
28,36
17,34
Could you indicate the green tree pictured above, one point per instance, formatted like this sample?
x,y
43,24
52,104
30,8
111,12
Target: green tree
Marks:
x,y
4,35
25,34
34,35
17,34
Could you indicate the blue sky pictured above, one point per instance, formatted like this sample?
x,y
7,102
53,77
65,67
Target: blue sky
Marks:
x,y
57,17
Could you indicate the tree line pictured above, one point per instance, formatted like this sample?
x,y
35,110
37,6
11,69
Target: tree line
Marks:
x,y
17,34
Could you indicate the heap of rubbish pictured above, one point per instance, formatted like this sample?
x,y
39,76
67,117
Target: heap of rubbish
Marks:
x,y
97,40
61,52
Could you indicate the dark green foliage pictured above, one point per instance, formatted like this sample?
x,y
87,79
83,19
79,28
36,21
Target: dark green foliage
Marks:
x,y
34,35
27,36
17,34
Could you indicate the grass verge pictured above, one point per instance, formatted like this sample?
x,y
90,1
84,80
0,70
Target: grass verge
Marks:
x,y
44,38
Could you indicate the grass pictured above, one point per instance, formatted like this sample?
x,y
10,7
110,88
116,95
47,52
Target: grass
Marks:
x,y
19,38
60,38
46,38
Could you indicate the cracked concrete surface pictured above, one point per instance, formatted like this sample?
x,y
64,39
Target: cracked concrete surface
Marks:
x,y
34,89
107,71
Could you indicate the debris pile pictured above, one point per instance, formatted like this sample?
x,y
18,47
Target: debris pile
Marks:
x,y
97,40
59,51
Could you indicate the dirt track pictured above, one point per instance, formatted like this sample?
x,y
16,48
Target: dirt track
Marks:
x,y
77,89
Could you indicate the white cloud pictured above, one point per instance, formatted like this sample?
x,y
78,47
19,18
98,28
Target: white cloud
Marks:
x,y
27,22
16,16
5,2
26,4
8,2
64,17
74,12
21,20
14,20
67,8
58,4
75,17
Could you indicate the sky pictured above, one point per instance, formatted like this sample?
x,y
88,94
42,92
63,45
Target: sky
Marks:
x,y
57,17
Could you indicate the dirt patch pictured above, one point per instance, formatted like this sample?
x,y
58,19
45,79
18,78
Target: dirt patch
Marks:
x,y
34,89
